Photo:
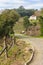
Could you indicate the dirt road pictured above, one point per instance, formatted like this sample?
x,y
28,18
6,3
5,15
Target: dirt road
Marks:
x,y
38,45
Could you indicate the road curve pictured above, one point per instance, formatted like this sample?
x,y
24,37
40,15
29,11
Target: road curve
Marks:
x,y
38,45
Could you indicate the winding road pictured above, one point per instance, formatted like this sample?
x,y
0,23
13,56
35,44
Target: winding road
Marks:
x,y
38,45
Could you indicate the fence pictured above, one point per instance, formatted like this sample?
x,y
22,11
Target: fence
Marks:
x,y
6,44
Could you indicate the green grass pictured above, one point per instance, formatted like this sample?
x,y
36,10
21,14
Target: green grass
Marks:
x,y
0,48
13,50
19,26
37,36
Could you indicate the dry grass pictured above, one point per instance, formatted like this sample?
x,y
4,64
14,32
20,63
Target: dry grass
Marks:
x,y
19,53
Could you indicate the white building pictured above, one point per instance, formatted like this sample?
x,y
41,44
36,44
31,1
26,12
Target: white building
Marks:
x,y
33,17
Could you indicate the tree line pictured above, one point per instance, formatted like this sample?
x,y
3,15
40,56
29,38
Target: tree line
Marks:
x,y
25,12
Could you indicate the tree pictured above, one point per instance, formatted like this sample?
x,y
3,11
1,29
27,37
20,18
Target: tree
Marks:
x,y
41,24
7,20
42,12
41,21
25,12
26,22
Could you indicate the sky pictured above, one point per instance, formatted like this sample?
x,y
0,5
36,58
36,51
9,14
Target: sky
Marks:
x,y
28,4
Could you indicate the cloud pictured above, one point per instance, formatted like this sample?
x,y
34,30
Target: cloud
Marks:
x,y
35,6
5,4
11,3
35,0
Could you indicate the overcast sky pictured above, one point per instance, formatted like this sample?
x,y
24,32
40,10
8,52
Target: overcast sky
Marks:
x,y
28,4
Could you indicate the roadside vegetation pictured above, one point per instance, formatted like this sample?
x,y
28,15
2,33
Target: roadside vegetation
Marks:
x,y
19,53
17,21
31,27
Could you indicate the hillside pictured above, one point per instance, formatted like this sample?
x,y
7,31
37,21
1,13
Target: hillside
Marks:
x,y
33,30
19,26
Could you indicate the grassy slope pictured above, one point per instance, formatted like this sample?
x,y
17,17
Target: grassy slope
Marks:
x,y
19,26
19,50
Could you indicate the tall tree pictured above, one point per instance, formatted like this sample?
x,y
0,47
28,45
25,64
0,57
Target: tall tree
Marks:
x,y
26,22
7,20
41,24
42,12
41,21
